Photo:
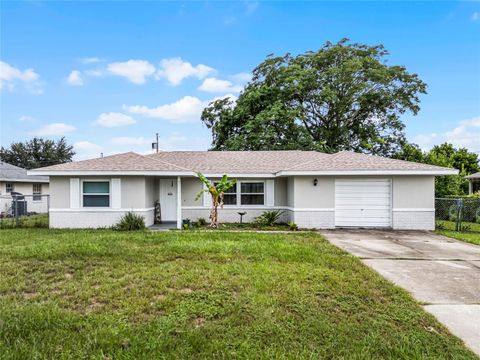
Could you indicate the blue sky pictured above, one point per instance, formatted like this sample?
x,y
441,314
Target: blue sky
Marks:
x,y
109,75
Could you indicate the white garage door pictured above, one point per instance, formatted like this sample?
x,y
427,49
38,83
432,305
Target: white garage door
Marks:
x,y
363,203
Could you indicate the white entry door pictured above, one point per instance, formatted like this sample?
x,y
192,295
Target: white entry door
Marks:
x,y
363,203
168,199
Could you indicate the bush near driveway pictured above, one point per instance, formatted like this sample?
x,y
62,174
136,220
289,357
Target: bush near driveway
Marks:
x,y
151,295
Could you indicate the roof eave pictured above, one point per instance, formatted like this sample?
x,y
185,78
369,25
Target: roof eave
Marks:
x,y
24,180
144,173
369,172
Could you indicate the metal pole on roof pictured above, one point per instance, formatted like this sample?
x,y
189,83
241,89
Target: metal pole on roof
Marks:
x,y
157,143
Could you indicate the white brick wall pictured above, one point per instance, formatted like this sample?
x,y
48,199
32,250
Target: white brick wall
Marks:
x,y
314,219
229,215
414,220
93,218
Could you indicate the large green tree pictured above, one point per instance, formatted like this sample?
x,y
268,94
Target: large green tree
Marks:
x,y
37,152
342,97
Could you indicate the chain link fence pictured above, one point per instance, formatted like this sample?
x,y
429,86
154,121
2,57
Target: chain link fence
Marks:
x,y
458,214
17,210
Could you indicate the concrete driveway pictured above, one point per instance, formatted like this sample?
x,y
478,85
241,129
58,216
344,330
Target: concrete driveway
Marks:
x,y
441,272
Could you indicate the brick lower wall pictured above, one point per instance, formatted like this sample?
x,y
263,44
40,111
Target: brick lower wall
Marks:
x,y
314,219
229,215
93,219
414,220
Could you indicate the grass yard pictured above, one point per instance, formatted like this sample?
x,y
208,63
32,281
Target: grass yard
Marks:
x,y
472,235
32,221
145,295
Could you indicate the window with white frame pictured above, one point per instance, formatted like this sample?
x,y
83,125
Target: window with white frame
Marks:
x,y
37,192
252,193
9,187
96,193
230,196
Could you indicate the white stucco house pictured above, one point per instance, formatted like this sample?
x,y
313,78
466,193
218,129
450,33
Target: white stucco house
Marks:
x,y
15,179
315,190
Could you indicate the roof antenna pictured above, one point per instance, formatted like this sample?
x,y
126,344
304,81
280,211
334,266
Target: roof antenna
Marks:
x,y
155,145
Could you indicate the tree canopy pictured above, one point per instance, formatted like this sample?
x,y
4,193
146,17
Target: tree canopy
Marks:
x,y
341,97
37,152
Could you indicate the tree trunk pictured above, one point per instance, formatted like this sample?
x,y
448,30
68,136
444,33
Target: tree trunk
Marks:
x,y
214,214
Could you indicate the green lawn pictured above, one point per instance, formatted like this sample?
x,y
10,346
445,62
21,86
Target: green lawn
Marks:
x,y
472,235
145,295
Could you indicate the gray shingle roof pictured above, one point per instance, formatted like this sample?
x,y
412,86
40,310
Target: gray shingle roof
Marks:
x,y
14,173
243,162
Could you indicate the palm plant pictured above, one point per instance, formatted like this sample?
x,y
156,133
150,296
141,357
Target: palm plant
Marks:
x,y
217,191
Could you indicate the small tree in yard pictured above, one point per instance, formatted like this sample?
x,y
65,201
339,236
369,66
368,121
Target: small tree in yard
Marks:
x,y
216,190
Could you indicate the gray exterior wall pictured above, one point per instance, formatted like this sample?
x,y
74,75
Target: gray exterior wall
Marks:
x,y
59,192
190,188
413,192
150,192
281,192
133,192
301,201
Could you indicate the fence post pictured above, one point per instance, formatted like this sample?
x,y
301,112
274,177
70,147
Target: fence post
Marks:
x,y
459,213
15,203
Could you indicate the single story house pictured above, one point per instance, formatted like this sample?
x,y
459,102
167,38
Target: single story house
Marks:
x,y
16,179
313,189
474,183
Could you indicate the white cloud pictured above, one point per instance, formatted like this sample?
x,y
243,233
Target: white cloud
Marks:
x,y
465,134
113,119
55,129
26,118
242,77
127,140
134,70
95,73
9,75
175,70
75,78
476,16
188,108
90,60
216,85
86,150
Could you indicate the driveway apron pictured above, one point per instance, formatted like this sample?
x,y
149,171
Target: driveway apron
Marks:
x,y
441,272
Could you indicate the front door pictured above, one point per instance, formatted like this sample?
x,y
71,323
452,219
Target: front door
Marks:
x,y
168,199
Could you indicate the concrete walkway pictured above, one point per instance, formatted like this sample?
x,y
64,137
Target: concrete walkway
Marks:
x,y
441,272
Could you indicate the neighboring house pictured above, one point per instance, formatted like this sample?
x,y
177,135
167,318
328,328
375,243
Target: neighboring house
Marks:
x,y
15,179
315,190
473,183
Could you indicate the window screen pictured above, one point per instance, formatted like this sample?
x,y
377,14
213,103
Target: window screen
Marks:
x,y
96,194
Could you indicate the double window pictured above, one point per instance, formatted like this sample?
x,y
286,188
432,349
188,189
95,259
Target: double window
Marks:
x,y
37,192
245,193
96,193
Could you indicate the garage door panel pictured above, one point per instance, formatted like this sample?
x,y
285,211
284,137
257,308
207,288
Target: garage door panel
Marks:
x,y
363,203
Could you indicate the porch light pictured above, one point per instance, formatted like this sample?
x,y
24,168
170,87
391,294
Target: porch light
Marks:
x,y
315,182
